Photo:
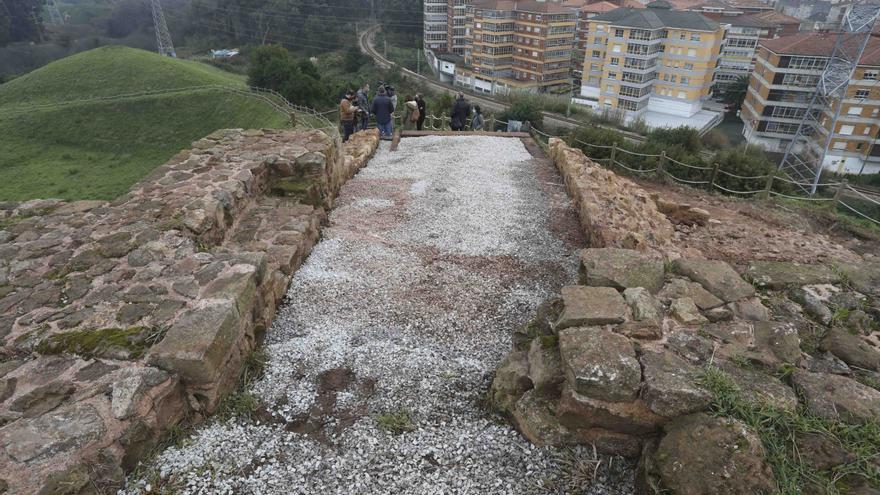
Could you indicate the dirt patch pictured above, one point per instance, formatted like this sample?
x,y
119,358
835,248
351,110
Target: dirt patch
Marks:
x,y
745,230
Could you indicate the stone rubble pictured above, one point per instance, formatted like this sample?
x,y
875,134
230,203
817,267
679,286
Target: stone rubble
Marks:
x,y
120,319
634,385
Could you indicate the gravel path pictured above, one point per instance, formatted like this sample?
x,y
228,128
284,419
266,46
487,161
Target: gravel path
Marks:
x,y
433,255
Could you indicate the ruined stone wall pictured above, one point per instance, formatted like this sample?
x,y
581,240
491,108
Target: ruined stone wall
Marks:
x,y
119,319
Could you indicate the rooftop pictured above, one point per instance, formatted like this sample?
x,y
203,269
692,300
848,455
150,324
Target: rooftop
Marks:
x,y
820,45
542,7
657,17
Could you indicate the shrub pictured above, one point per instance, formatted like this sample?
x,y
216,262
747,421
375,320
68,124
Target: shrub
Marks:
x,y
716,140
523,109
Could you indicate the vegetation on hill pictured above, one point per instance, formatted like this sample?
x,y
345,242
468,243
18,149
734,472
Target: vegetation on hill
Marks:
x,y
98,150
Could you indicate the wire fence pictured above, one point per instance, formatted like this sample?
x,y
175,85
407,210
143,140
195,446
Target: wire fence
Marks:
x,y
841,195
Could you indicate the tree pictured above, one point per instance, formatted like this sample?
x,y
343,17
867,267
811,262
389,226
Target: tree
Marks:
x,y
735,92
20,20
353,60
273,67
523,109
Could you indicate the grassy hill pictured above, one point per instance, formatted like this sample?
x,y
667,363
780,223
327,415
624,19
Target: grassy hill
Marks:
x,y
98,150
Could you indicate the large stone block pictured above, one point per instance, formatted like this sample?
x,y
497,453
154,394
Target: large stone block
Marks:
x,y
621,269
600,364
585,306
578,411
782,274
680,287
199,343
670,389
852,349
715,276
545,365
63,430
837,397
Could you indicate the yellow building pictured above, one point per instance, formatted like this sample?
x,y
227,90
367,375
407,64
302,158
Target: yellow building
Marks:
x,y
519,44
653,59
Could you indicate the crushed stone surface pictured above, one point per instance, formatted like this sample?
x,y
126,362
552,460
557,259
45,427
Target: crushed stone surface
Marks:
x,y
433,255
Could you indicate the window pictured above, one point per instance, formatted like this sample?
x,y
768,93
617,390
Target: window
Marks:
x,y
596,54
870,75
615,61
692,52
537,30
672,78
839,145
685,80
594,67
682,36
666,77
859,146
682,95
867,131
854,111
615,48
695,37
846,130
612,75
805,63
862,93
688,66
618,33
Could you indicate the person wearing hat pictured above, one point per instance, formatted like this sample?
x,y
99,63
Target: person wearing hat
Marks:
x,y
347,112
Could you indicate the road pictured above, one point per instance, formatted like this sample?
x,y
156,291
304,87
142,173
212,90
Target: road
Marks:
x,y
551,119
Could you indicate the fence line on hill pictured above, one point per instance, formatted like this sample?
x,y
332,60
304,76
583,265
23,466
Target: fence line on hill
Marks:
x,y
842,190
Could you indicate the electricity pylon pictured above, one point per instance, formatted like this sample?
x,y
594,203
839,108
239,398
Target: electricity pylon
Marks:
x,y
163,37
55,16
805,155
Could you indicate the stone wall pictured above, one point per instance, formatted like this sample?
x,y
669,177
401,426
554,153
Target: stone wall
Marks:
x,y
119,319
614,211
625,359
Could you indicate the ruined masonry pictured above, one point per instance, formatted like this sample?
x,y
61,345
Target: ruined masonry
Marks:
x,y
619,360
120,319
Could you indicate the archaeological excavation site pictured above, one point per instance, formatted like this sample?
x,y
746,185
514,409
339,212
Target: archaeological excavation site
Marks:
x,y
279,312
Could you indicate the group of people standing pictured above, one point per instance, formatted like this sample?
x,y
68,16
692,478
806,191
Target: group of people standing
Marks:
x,y
355,111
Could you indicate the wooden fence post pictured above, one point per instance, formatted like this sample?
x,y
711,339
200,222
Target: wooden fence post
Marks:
x,y
715,167
492,123
768,187
661,167
613,155
839,191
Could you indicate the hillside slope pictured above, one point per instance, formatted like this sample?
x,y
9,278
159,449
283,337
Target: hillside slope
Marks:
x,y
98,150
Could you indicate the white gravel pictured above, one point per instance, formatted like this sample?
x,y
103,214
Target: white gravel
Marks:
x,y
433,255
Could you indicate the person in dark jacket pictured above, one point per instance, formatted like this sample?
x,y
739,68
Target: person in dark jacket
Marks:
x,y
382,110
422,111
363,102
478,122
460,111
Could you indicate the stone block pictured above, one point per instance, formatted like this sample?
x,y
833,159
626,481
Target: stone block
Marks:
x,y
586,306
600,364
686,312
680,287
852,349
576,411
670,389
545,365
837,397
716,277
645,308
511,380
199,343
781,274
62,430
621,269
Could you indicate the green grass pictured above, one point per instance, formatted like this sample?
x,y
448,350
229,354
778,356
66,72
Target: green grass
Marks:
x,y
395,422
778,430
98,150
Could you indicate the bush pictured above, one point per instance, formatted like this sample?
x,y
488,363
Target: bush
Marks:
x,y
523,109
686,137
716,140
273,67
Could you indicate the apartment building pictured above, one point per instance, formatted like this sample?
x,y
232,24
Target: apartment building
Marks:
x,y
786,75
456,31
654,60
519,45
741,42
435,25
585,13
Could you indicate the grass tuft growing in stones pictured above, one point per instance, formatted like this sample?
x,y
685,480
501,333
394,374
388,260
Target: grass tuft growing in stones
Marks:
x,y
395,422
242,402
779,431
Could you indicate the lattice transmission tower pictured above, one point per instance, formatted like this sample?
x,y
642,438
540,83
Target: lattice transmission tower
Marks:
x,y
163,37
805,155
55,16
